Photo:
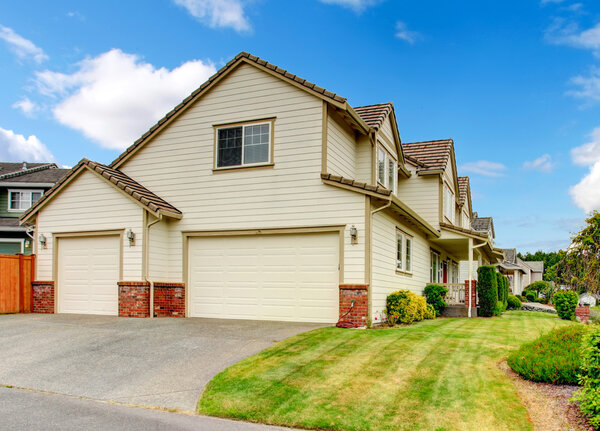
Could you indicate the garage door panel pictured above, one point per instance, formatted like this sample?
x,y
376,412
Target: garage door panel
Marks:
x,y
265,277
88,272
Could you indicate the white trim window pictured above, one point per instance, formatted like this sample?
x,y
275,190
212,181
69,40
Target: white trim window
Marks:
x,y
387,170
455,272
435,268
449,203
465,221
21,200
244,145
403,251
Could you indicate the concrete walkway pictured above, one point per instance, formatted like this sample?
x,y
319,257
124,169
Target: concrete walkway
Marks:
x,y
162,362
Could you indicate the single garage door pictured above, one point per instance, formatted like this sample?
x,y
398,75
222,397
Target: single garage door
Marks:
x,y
88,272
265,277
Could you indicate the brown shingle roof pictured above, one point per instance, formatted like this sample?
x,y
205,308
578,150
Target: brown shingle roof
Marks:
x,y
374,115
463,189
434,154
241,56
118,179
357,184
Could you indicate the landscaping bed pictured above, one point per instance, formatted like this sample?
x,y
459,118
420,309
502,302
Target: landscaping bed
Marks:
x,y
436,374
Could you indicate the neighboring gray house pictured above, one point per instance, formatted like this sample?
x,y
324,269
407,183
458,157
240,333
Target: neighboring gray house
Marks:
x,y
519,273
21,185
484,225
537,271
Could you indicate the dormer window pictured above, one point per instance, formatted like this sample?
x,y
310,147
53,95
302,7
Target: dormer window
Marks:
x,y
449,203
387,170
21,200
243,145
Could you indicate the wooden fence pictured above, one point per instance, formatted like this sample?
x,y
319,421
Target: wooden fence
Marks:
x,y
16,274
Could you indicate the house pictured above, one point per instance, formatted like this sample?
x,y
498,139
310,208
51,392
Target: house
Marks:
x,y
21,185
519,273
260,196
536,272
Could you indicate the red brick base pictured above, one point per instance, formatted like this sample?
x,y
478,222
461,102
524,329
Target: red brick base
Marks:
x,y
355,315
473,293
134,299
43,297
169,299
583,313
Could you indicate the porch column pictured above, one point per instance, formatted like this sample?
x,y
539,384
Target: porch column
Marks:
x,y
517,282
470,276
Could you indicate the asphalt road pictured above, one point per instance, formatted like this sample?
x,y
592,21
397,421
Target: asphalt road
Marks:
x,y
26,410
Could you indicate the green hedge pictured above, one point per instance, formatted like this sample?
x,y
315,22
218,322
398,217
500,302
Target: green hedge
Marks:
x,y
530,295
589,396
565,302
538,286
435,296
487,286
514,303
406,307
552,358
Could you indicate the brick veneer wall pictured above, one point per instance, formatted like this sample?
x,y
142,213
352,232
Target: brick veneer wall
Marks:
x,y
43,296
583,313
134,299
169,299
473,293
360,295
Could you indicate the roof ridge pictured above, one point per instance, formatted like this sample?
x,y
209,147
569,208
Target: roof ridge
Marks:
x,y
28,171
429,142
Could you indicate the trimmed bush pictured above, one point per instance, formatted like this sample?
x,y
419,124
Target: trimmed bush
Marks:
x,y
552,358
530,295
538,286
435,297
500,284
487,286
542,300
565,302
589,396
430,312
406,307
514,303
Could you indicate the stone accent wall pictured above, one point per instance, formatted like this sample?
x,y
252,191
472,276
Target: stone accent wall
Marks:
x,y
169,299
357,315
473,293
583,313
134,299
43,297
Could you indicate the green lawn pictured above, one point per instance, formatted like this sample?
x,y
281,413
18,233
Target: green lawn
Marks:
x,y
436,375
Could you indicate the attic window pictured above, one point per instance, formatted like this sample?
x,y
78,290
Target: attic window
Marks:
x,y
244,145
387,170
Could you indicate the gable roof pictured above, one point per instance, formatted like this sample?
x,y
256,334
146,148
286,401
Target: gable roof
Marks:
x,y
433,154
39,173
483,224
535,265
463,189
148,200
242,57
374,115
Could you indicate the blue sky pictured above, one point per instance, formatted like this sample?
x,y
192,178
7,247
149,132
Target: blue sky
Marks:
x,y
516,84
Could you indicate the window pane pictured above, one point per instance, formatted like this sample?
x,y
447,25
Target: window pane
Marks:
x,y
15,200
381,166
35,196
391,173
229,152
399,251
256,144
408,253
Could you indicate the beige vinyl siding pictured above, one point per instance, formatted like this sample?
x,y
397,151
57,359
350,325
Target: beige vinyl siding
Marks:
x,y
389,142
91,204
341,150
364,154
158,252
177,165
421,193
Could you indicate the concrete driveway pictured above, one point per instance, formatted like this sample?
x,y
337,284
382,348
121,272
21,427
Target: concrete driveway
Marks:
x,y
152,362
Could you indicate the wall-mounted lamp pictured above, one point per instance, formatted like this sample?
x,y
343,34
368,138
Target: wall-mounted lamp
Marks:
x,y
131,237
354,235
42,240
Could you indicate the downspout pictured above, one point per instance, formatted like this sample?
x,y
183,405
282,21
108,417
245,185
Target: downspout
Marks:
x,y
147,259
382,207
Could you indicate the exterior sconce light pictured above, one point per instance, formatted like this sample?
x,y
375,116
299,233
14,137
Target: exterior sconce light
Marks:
x,y
42,240
353,235
131,237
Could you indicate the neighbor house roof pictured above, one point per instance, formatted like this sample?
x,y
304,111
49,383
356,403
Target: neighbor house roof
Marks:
x,y
512,261
27,173
258,62
536,266
483,224
374,115
118,179
433,154
10,224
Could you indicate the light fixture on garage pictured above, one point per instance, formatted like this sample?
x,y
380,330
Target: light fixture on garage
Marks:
x,y
131,237
42,239
354,235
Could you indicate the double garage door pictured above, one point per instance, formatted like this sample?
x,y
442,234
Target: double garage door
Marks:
x,y
291,277
265,277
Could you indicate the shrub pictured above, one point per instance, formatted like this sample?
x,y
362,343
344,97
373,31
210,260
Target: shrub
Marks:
x,y
542,300
530,295
430,312
435,296
552,358
565,302
589,396
538,286
514,303
487,286
404,306
505,286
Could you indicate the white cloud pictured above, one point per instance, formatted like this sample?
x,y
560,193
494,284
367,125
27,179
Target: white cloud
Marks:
x,y
402,32
218,13
18,148
356,5
562,32
542,164
115,97
23,48
26,106
484,167
589,86
586,194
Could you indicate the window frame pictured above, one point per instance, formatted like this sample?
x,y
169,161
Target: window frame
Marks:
x,y
404,264
449,203
31,203
438,259
387,158
243,124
